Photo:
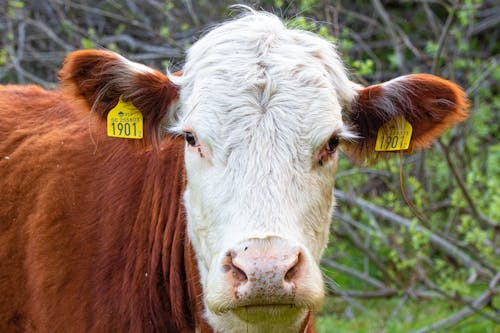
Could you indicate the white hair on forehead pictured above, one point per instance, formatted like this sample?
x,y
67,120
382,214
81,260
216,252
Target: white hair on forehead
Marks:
x,y
243,64
240,42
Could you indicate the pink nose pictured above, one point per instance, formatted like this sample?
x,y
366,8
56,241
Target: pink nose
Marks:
x,y
264,272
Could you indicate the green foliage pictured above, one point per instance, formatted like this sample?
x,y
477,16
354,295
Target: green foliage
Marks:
x,y
390,316
363,67
468,55
3,56
87,43
13,6
431,48
164,31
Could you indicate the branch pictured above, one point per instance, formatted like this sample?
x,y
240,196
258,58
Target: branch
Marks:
x,y
465,312
192,12
442,39
335,290
484,74
456,296
392,32
437,241
51,34
396,309
489,22
483,220
431,18
352,272
103,13
359,244
382,293
165,52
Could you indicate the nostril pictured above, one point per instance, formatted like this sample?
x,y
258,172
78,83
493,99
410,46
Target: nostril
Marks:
x,y
228,265
239,275
294,270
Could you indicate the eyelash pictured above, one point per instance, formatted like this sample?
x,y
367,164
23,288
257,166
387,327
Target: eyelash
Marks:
x,y
328,149
332,144
191,139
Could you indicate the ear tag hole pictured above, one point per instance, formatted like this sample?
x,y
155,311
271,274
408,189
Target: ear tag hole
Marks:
x,y
125,121
394,135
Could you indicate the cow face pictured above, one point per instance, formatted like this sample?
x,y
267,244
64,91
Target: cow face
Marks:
x,y
262,110
261,114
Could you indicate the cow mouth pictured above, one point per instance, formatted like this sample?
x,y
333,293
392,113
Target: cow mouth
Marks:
x,y
268,313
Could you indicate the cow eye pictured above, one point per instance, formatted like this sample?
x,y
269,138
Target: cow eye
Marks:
x,y
190,139
332,144
328,150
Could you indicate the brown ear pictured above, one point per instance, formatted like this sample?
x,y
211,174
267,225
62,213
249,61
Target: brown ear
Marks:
x,y
101,77
429,103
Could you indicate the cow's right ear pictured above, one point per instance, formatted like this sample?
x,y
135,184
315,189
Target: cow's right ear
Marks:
x,y
101,77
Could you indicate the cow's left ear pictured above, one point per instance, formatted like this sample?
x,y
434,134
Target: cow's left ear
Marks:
x,y
102,77
429,103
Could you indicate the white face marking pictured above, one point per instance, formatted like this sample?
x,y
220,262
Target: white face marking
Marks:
x,y
263,101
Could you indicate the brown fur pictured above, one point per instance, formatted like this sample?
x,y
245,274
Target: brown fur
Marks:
x,y
429,103
92,228
102,77
92,232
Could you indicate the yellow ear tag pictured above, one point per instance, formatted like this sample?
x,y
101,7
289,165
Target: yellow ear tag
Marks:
x,y
394,135
125,121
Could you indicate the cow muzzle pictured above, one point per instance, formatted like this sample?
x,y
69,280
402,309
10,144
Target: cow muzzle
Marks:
x,y
270,279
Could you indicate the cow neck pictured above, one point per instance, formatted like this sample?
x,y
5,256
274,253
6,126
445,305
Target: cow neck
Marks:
x,y
175,291
159,280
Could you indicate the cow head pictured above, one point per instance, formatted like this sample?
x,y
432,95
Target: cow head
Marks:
x,y
263,110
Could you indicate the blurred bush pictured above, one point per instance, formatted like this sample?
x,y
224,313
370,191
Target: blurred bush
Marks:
x,y
443,240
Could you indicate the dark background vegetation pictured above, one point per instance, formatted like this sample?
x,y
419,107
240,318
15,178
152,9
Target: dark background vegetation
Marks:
x,y
428,263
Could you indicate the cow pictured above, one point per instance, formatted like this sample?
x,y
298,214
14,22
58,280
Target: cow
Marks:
x,y
216,219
